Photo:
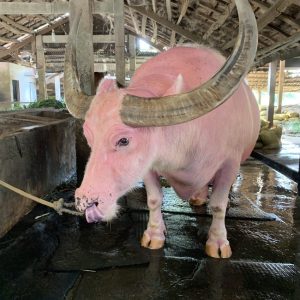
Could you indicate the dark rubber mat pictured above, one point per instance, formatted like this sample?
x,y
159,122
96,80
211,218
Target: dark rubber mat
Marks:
x,y
240,207
92,247
185,278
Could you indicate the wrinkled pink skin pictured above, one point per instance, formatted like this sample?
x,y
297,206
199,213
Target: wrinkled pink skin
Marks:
x,y
206,150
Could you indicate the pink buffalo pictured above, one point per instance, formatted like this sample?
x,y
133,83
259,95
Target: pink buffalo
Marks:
x,y
187,115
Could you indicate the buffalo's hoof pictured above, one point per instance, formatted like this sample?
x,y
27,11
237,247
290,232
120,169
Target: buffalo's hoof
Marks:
x,y
151,243
216,251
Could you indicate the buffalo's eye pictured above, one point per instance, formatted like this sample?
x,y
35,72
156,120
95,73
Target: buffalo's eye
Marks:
x,y
123,142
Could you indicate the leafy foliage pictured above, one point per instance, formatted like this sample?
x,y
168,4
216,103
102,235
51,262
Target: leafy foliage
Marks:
x,y
47,103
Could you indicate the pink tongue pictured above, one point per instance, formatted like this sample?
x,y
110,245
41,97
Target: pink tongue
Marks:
x,y
92,214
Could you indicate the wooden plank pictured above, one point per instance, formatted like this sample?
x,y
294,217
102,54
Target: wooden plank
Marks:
x,y
120,41
50,8
271,90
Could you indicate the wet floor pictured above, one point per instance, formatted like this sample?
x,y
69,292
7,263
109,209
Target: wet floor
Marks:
x,y
63,257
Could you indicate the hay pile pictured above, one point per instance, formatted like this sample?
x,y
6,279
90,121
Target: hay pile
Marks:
x,y
270,138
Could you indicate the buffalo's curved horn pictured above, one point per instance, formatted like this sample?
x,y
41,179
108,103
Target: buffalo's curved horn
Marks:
x,y
175,109
76,101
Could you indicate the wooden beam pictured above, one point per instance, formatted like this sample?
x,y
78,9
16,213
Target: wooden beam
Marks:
x,y
50,8
15,24
188,35
84,43
281,83
270,53
221,20
132,54
183,9
62,39
271,90
30,38
41,68
287,19
146,39
120,40
3,39
274,11
11,28
280,45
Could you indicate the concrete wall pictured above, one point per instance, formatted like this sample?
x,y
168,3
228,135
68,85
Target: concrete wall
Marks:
x,y
36,161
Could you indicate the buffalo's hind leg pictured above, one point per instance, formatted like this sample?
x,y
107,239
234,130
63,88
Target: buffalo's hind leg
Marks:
x,y
217,244
154,235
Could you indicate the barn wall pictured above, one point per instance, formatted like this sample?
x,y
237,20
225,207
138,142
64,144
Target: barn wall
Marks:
x,y
27,82
35,160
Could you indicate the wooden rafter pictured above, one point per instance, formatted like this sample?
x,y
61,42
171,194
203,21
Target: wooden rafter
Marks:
x,y
183,10
221,20
30,38
11,28
16,25
269,16
7,40
50,8
188,35
283,16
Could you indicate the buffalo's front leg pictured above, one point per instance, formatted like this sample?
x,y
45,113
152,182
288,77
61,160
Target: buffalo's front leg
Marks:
x,y
154,235
217,244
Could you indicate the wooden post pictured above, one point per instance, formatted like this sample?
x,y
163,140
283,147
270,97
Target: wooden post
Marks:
x,y
132,54
259,96
57,88
41,68
271,90
281,83
119,41
84,43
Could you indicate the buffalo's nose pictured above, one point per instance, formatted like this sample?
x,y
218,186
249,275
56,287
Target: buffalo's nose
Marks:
x,y
82,203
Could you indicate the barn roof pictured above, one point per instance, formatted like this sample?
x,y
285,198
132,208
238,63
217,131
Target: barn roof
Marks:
x,y
163,23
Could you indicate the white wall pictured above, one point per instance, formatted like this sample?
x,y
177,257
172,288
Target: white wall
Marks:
x,y
27,82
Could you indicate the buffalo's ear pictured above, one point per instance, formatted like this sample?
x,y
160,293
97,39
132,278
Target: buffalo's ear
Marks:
x,y
107,85
177,87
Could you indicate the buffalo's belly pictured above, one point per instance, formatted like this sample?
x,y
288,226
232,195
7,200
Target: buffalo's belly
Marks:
x,y
184,187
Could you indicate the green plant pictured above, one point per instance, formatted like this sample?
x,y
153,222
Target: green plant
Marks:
x,y
51,102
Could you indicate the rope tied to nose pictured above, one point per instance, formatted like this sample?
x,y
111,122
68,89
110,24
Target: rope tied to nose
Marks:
x,y
59,206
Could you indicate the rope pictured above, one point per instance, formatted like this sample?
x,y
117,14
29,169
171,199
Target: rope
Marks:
x,y
57,205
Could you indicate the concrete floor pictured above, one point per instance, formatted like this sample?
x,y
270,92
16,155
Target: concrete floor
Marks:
x,y
63,257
